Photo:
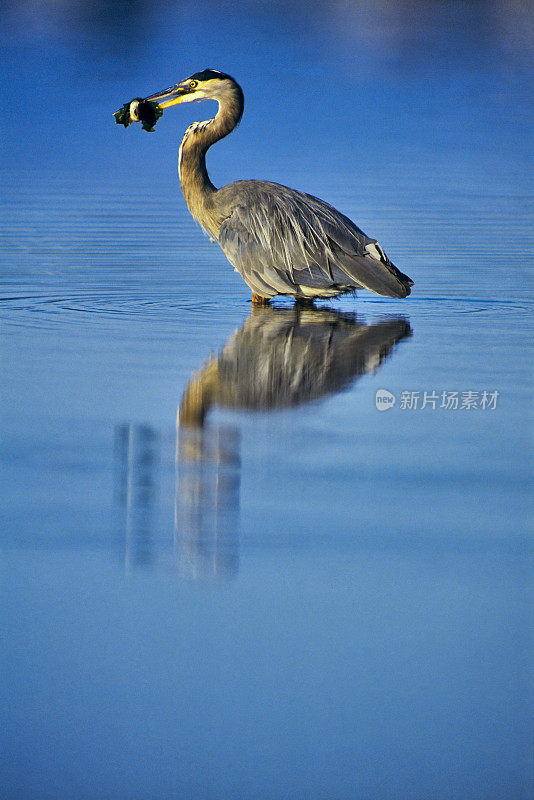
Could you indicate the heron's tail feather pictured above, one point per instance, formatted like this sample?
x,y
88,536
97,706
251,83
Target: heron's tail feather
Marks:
x,y
377,275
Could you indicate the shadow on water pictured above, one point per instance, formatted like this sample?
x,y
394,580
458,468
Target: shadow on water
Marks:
x,y
280,358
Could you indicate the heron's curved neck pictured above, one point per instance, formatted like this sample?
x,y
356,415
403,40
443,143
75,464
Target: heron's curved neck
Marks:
x,y
196,186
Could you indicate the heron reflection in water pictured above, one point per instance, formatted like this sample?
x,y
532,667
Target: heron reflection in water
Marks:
x,y
278,359
205,485
137,454
285,357
280,240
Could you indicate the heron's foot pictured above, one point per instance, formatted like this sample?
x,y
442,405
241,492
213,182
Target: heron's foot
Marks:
x,y
258,300
305,302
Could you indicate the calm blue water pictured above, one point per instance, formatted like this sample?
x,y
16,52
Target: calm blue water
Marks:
x,y
301,596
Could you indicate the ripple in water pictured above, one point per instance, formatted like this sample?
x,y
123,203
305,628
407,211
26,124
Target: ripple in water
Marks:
x,y
49,310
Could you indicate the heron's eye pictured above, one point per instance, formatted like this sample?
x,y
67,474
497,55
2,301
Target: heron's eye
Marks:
x,y
193,84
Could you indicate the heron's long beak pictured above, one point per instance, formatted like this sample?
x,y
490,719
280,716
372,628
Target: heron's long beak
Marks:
x,y
169,97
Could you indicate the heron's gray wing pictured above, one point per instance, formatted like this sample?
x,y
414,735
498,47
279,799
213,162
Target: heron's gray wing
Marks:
x,y
280,239
257,264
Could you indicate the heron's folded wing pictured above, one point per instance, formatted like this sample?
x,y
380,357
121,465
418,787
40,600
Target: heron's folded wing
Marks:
x,y
256,263
288,238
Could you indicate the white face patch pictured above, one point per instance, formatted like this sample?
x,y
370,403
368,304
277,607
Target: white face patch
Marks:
x,y
213,89
204,91
193,97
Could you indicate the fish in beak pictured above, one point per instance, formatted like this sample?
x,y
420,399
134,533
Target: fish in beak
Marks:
x,y
149,109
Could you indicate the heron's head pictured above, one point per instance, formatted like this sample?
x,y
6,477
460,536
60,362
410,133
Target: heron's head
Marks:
x,y
206,85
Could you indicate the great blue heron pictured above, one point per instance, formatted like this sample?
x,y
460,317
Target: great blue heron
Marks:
x,y
280,240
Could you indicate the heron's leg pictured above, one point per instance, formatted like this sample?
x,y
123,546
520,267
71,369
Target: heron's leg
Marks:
x,y
305,302
258,300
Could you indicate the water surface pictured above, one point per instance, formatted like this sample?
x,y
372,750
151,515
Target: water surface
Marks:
x,y
294,594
